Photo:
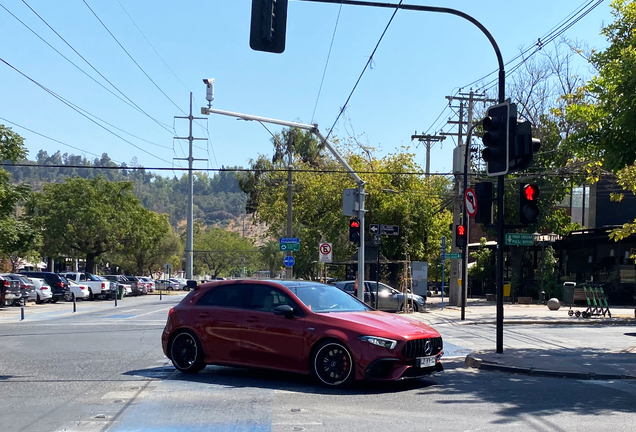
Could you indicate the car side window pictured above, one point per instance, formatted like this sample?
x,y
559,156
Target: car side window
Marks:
x,y
265,298
82,277
233,296
349,287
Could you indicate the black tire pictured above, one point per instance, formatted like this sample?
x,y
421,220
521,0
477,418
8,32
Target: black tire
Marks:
x,y
37,299
406,307
186,353
332,364
91,296
54,299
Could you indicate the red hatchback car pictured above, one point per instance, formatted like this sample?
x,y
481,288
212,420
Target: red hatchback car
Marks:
x,y
297,326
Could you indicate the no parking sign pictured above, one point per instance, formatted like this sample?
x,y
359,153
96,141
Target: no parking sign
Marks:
x,y
325,252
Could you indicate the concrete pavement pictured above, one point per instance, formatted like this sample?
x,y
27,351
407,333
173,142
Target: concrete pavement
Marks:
x,y
578,362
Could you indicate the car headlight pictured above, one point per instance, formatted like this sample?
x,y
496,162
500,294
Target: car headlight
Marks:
x,y
420,299
379,341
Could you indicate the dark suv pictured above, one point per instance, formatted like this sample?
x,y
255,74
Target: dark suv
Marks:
x,y
57,284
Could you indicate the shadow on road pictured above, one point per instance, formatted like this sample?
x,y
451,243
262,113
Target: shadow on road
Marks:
x,y
276,380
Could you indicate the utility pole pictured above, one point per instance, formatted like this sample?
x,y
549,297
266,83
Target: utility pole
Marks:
x,y
457,293
289,270
190,159
429,140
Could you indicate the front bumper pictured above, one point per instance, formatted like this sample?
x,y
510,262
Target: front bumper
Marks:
x,y
393,369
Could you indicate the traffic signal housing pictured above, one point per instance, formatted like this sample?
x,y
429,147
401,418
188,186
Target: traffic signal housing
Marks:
x,y
354,231
522,146
485,199
528,204
268,26
496,126
461,236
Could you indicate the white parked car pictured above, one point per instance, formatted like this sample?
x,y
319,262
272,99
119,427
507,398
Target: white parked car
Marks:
x,y
180,283
42,290
150,284
81,291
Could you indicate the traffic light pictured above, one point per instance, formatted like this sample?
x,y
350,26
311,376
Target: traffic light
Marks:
x,y
496,126
528,204
484,195
522,146
461,237
354,231
269,25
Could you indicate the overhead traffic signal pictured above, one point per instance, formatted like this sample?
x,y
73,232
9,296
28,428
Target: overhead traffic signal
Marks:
x,y
354,231
269,25
522,146
528,204
461,236
484,195
496,126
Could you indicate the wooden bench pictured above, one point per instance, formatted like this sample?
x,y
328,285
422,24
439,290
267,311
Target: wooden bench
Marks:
x,y
579,295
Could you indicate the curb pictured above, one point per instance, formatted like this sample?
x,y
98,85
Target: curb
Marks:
x,y
478,363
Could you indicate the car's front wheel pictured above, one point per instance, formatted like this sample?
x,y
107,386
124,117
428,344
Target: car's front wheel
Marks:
x,y
186,353
332,364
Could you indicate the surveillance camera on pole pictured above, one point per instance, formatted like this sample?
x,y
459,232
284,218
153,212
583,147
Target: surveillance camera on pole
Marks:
x,y
209,93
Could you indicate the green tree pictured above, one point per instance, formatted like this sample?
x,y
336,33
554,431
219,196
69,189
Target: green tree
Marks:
x,y
150,244
84,218
219,252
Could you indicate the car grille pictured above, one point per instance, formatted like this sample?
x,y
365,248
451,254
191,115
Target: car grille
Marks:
x,y
417,347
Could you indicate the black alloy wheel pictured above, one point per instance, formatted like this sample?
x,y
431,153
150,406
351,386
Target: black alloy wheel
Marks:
x,y
186,353
332,364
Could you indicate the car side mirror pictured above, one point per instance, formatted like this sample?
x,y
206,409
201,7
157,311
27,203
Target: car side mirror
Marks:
x,y
286,310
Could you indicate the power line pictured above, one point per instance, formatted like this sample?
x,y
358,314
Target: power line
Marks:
x,y
363,70
132,58
324,72
81,111
92,67
52,139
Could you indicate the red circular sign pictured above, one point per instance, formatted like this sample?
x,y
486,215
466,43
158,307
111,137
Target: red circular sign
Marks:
x,y
325,248
470,201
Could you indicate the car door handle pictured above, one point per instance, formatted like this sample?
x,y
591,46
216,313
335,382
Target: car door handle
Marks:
x,y
204,315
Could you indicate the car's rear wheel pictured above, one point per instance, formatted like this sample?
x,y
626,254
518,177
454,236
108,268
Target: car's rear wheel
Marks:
x,y
186,353
408,307
332,364
38,300
90,295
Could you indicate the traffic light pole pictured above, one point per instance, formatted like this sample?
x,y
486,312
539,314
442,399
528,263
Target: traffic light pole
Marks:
x,y
314,129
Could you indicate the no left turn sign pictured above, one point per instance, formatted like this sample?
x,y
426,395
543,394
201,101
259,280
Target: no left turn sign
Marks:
x,y
470,201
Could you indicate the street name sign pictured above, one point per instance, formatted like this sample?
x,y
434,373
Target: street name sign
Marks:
x,y
454,255
519,239
390,229
289,244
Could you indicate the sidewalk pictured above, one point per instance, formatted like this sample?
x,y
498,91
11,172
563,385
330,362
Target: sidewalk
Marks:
x,y
578,363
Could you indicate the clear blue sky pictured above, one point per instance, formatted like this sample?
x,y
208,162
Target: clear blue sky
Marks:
x,y
423,58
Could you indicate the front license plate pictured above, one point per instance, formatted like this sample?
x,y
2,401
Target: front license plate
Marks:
x,y
423,362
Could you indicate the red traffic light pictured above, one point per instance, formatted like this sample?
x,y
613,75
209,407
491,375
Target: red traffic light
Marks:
x,y
354,224
531,192
461,230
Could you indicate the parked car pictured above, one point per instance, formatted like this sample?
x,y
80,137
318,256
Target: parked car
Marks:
x,y
81,291
27,289
166,285
389,299
97,288
298,326
179,283
138,286
42,289
11,290
150,284
120,281
58,286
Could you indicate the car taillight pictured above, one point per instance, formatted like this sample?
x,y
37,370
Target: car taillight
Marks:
x,y
170,311
43,288
103,285
7,283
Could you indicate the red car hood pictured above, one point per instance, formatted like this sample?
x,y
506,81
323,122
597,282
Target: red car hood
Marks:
x,y
378,323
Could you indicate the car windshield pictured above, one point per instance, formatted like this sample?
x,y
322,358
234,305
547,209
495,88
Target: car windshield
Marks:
x,y
326,298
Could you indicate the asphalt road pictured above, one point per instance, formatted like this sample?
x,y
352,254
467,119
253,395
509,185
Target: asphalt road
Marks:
x,y
102,369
